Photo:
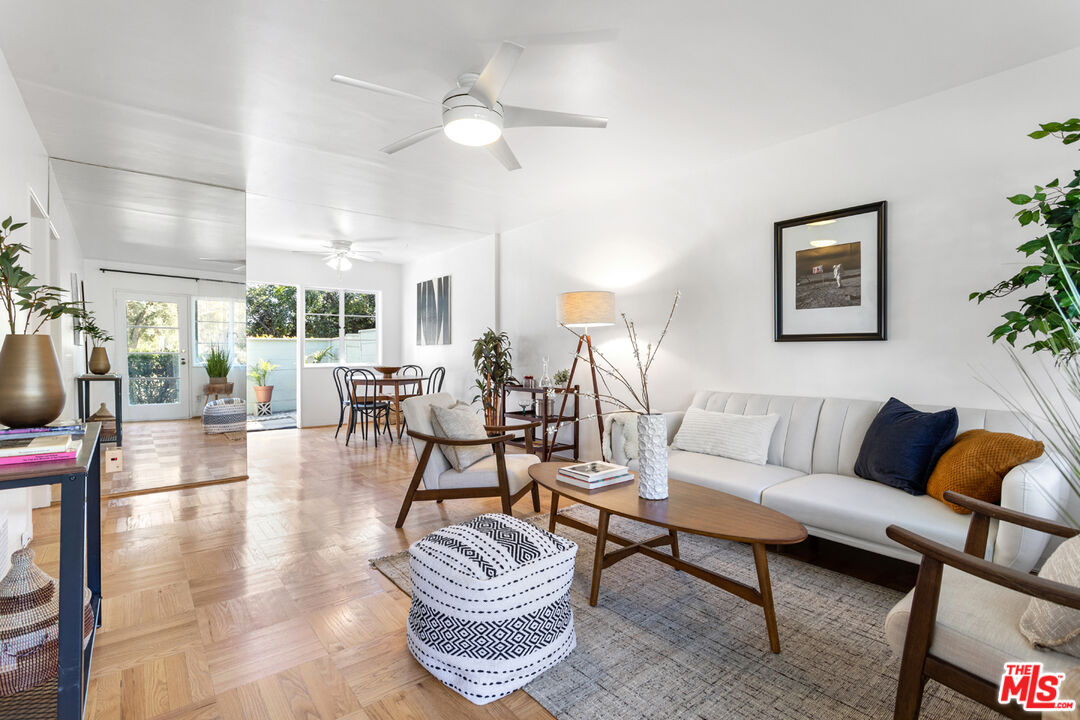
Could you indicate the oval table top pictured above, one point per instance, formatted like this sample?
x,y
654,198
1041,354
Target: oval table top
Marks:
x,y
689,508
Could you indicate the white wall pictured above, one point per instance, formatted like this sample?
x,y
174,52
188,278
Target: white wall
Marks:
x,y
318,398
25,169
944,163
472,272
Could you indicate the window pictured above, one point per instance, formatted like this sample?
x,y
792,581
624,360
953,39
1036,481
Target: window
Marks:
x,y
220,323
340,327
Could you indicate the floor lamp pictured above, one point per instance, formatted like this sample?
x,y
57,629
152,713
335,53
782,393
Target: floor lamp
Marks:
x,y
584,309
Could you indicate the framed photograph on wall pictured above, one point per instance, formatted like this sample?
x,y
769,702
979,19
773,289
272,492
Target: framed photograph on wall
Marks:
x,y
433,311
830,275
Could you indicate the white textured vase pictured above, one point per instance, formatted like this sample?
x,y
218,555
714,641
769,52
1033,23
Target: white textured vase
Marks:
x,y
652,456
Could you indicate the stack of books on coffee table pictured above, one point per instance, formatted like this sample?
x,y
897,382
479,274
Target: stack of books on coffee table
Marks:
x,y
594,475
59,442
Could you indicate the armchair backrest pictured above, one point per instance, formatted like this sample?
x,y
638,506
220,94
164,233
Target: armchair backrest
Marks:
x,y
417,411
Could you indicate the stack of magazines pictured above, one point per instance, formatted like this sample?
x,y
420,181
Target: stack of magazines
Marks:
x,y
59,442
594,475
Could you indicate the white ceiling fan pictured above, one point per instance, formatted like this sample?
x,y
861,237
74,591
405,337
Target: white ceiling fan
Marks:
x,y
339,254
472,114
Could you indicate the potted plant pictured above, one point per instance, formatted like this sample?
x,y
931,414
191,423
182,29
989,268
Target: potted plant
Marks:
x,y
491,358
31,386
262,369
562,377
217,365
99,357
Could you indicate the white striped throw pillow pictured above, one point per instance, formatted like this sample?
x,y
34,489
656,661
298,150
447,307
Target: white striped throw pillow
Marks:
x,y
739,437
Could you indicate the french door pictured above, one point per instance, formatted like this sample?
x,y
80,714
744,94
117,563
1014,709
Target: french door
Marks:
x,y
154,346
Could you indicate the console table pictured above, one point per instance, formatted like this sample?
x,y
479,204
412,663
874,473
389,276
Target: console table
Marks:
x,y
80,533
82,386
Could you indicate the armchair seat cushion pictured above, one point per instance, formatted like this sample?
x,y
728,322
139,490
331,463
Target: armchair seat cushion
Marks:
x,y
485,473
978,627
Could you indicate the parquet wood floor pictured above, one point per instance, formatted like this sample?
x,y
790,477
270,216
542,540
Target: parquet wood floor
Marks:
x,y
255,601
174,453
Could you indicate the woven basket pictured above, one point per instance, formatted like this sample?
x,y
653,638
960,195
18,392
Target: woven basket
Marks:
x,y
29,606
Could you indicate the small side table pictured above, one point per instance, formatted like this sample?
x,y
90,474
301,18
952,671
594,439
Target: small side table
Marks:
x,y
219,390
82,387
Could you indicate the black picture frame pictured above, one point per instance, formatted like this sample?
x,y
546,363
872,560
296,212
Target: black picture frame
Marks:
x,y
781,335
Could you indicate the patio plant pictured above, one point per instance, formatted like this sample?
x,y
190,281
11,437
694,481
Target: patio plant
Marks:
x,y
259,373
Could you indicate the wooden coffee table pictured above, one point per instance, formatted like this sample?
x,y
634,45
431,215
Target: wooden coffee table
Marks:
x,y
689,508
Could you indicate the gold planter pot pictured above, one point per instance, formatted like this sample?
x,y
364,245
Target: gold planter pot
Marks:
x,y
99,361
31,386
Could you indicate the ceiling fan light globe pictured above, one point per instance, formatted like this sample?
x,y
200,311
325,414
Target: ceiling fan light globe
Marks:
x,y
472,126
339,263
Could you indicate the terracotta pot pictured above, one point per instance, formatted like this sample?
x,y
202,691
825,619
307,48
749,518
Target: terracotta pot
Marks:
x,y
263,393
31,386
99,361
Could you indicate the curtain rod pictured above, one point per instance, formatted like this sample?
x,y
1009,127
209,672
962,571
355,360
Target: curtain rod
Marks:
x,y
176,277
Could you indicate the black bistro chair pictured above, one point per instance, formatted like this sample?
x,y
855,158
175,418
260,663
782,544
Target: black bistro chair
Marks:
x,y
344,395
366,404
435,380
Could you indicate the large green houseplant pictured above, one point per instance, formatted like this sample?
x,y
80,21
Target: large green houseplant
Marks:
x,y
494,368
31,386
1051,315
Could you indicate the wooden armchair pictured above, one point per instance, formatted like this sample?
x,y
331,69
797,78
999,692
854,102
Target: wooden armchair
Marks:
x,y
994,597
501,475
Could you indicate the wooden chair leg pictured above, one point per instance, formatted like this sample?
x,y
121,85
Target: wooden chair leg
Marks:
x,y
536,497
920,634
504,481
417,477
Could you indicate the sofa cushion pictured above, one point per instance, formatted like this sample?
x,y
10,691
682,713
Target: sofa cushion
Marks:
x,y
903,444
860,508
485,473
977,627
460,422
730,435
731,476
977,463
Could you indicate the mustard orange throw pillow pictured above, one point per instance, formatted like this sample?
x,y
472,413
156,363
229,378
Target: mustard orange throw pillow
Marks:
x,y
977,462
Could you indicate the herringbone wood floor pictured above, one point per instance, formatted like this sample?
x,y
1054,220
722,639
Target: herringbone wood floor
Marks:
x,y
255,600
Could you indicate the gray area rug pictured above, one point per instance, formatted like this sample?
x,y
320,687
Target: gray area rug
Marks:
x,y
662,644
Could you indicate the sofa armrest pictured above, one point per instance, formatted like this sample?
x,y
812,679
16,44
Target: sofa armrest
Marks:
x,y
1034,488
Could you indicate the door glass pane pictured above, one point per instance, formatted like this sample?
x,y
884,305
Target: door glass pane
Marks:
x,y
153,352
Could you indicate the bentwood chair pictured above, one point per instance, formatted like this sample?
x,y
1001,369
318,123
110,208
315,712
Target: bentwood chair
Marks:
x,y
365,404
435,380
498,475
344,395
410,389
960,624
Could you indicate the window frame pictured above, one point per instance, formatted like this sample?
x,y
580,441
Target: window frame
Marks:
x,y
301,324
196,358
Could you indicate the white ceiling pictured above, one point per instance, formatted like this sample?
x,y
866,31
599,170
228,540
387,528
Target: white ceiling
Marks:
x,y
237,94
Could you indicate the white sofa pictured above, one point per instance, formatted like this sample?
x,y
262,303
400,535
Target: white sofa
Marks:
x,y
810,476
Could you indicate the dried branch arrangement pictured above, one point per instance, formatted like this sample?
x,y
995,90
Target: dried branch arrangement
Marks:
x,y
638,402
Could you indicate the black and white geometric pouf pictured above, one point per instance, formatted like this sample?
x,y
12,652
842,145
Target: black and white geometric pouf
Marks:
x,y
491,604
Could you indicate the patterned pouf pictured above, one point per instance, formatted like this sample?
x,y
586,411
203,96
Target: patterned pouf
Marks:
x,y
225,415
491,604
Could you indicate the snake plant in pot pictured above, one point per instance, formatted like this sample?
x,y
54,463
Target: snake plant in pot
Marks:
x,y
31,386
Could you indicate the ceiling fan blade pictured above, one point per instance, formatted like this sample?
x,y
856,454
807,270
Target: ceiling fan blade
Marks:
x,y
411,140
515,117
489,85
502,152
365,255
364,85
227,261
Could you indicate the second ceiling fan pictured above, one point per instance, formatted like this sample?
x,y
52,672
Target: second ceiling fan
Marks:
x,y
472,113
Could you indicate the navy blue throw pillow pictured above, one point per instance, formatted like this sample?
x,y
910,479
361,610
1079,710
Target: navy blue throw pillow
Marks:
x,y
903,445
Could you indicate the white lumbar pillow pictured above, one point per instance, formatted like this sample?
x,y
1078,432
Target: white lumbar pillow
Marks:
x,y
739,437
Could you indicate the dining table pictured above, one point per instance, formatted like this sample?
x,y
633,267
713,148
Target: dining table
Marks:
x,y
397,383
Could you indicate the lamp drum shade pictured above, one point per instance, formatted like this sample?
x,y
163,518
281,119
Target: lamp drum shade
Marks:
x,y
587,308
